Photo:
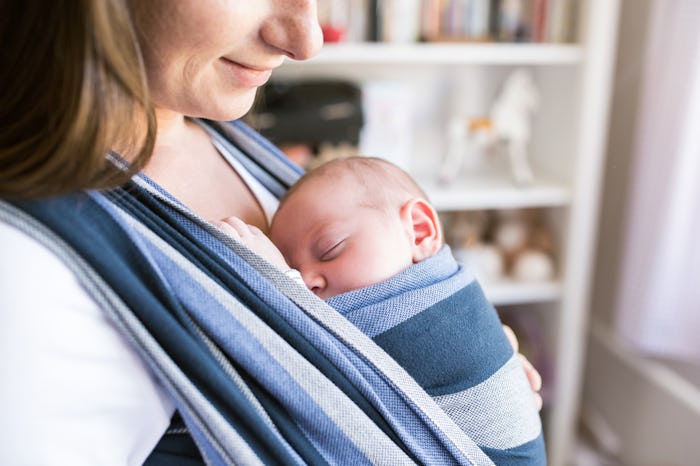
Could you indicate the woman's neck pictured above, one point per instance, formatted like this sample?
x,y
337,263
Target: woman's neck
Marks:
x,y
172,130
186,164
169,145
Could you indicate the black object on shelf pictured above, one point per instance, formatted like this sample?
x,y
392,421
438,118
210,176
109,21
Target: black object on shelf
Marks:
x,y
309,112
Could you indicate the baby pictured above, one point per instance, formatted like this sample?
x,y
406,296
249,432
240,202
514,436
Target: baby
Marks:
x,y
364,238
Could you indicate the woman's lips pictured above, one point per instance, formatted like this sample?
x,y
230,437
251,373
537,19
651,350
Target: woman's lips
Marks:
x,y
245,75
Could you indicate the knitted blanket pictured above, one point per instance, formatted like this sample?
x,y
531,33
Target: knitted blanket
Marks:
x,y
261,370
434,319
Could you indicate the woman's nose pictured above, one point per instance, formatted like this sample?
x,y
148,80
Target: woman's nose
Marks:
x,y
293,28
314,281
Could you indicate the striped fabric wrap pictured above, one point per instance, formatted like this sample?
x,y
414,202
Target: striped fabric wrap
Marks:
x,y
434,319
261,370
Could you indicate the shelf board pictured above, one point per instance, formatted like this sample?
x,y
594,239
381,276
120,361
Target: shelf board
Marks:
x,y
446,53
507,292
481,194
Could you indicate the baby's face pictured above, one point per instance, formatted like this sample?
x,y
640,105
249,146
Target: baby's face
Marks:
x,y
337,244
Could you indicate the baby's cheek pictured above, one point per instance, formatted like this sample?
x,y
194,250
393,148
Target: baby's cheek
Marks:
x,y
288,255
393,262
374,270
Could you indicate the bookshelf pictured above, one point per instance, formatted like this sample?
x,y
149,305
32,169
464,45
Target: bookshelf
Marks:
x,y
367,53
439,80
509,292
489,193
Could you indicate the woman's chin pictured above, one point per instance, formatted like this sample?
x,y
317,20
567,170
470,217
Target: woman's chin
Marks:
x,y
231,108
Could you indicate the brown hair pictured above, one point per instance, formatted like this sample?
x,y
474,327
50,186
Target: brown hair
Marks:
x,y
73,88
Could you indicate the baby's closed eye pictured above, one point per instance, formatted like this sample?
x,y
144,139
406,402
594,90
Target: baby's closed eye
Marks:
x,y
333,250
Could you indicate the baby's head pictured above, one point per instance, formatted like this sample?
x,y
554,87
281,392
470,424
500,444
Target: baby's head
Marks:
x,y
354,222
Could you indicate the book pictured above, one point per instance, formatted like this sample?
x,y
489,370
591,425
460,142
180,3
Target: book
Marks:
x,y
561,21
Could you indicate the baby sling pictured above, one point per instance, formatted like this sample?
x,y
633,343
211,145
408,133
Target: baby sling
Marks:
x,y
260,373
434,319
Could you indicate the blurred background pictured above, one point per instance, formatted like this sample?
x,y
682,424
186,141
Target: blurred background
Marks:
x,y
559,141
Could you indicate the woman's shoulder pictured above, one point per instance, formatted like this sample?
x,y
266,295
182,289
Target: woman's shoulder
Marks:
x,y
71,382
25,260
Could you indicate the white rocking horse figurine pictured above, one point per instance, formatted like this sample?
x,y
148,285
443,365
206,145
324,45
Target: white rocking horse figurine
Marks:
x,y
508,127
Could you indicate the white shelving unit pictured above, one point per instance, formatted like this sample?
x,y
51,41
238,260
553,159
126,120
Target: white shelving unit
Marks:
x,y
447,53
567,152
508,292
496,194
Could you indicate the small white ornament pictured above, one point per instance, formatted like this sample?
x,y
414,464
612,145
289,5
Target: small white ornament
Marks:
x,y
484,259
533,266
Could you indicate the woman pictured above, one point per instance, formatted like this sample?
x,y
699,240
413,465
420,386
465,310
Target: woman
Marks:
x,y
84,382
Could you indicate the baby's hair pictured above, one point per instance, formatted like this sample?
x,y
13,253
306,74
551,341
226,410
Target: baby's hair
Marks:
x,y
386,185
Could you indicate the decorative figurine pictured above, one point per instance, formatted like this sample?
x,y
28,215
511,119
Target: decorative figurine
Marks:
x,y
508,128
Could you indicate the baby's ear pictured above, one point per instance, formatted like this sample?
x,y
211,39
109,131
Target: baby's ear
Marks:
x,y
424,228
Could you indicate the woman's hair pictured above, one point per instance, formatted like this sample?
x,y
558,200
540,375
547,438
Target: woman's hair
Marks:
x,y
73,88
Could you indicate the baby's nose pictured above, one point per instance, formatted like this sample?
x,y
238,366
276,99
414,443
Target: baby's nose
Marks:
x,y
314,281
